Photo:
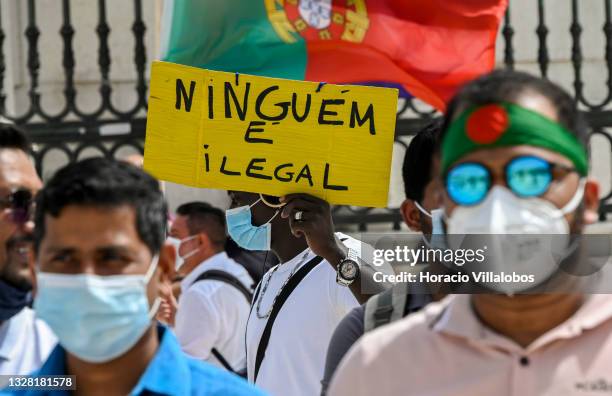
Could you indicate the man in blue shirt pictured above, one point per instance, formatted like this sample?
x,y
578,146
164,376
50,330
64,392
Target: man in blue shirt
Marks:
x,y
101,265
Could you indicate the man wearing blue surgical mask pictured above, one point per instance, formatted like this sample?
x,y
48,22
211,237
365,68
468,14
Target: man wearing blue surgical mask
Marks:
x,y
25,341
299,302
101,263
514,162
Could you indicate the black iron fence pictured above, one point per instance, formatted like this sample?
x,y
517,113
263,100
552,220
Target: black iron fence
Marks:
x,y
72,130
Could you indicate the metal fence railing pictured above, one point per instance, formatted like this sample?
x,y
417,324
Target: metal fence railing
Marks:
x,y
73,130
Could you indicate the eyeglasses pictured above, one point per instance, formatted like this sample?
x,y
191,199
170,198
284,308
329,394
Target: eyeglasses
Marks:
x,y
527,176
21,204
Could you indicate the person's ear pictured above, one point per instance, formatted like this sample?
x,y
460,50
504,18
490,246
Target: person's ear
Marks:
x,y
205,243
411,215
591,201
162,289
166,263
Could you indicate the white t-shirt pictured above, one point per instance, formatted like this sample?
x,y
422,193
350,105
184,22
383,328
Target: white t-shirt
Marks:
x,y
295,358
213,314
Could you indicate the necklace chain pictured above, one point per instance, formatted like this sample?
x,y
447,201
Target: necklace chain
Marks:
x,y
267,283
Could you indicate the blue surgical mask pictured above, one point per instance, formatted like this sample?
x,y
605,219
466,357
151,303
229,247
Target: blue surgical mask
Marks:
x,y
244,233
12,300
96,318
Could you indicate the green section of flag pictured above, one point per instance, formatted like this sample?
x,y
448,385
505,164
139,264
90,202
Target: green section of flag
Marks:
x,y
229,35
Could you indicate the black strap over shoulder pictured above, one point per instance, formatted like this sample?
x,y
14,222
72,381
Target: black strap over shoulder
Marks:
x,y
228,278
280,301
231,280
222,360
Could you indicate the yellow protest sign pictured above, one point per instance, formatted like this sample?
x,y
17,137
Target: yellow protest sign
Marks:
x,y
267,135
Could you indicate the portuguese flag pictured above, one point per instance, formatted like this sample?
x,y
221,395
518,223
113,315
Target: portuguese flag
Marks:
x,y
426,48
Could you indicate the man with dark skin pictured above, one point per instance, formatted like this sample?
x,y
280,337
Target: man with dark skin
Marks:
x,y
318,302
502,343
315,231
102,263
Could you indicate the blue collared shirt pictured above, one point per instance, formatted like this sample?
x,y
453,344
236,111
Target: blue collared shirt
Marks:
x,y
170,373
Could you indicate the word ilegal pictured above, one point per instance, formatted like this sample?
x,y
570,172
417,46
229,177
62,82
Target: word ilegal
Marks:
x,y
258,168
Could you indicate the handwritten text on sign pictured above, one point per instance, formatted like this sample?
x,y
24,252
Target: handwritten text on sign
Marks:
x,y
239,132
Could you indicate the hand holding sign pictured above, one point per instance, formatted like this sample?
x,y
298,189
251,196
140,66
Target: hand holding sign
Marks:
x,y
310,217
265,135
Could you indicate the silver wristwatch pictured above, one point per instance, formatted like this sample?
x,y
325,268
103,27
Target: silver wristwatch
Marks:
x,y
348,269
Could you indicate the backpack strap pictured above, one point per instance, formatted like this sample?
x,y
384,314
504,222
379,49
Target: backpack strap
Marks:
x,y
222,360
401,298
280,301
231,280
386,307
227,278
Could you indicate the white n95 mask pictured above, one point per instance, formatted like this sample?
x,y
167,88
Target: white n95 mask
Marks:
x,y
502,212
526,236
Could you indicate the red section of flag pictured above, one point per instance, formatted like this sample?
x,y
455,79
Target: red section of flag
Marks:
x,y
487,124
430,47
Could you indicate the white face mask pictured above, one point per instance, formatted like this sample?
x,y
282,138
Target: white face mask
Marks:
x,y
437,227
502,212
180,260
528,235
437,217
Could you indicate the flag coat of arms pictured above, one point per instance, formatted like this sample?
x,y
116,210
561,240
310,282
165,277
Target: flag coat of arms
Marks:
x,y
426,48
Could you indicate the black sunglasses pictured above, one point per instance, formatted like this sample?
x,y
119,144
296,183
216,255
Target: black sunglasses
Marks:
x,y
21,204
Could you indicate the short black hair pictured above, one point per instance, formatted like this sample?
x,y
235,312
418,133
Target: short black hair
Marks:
x,y
106,183
417,169
203,217
506,85
11,137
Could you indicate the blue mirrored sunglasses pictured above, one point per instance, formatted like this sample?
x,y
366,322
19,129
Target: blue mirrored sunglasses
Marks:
x,y
468,183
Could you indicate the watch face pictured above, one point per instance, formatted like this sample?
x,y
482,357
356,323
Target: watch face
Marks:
x,y
348,269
